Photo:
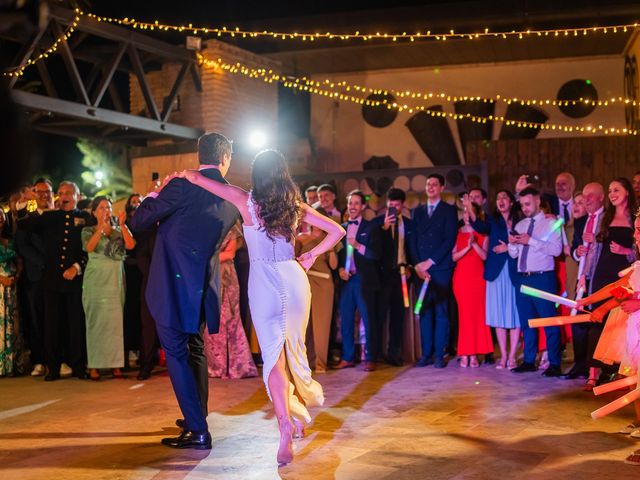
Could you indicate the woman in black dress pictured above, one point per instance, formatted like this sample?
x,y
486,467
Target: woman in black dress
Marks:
x,y
615,241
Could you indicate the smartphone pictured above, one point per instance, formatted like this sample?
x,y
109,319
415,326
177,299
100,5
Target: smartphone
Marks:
x,y
115,221
513,233
532,178
392,212
155,176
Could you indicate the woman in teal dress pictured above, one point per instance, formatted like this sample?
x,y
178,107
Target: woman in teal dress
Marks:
x,y
9,272
103,288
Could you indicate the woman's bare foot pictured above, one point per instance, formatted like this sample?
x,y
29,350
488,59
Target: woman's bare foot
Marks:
x,y
285,450
299,430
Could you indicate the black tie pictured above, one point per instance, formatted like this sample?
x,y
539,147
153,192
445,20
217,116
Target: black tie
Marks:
x,y
565,213
353,222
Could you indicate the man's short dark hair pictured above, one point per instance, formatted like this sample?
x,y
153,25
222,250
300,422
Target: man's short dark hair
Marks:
x,y
327,187
482,191
212,147
530,191
438,176
43,180
396,194
358,193
84,203
312,188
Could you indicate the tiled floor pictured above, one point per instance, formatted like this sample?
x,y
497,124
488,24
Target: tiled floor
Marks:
x,y
395,423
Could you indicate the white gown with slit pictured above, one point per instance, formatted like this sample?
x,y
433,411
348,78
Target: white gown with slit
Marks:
x,y
280,299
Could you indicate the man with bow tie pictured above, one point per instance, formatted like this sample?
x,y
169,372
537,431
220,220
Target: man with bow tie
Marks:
x,y
436,227
359,273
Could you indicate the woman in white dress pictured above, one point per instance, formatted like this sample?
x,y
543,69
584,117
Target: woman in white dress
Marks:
x,y
279,293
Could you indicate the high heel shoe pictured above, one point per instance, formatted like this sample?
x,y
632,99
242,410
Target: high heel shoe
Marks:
x,y
94,375
298,428
464,361
285,451
473,363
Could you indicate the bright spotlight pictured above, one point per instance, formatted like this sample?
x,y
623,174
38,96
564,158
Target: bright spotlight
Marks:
x,y
99,175
257,139
98,184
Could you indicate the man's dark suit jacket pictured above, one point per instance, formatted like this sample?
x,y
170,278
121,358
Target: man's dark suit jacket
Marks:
x,y
435,237
192,225
366,265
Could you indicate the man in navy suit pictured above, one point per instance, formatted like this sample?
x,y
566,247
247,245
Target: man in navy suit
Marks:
x,y
181,297
436,227
359,273
396,232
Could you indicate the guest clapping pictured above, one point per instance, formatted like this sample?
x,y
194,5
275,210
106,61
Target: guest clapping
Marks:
x,y
469,253
103,288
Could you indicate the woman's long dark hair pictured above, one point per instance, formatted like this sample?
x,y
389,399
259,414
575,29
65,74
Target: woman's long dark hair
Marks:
x,y
514,211
277,197
610,211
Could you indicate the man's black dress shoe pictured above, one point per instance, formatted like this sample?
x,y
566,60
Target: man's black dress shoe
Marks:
x,y
525,367
574,373
50,377
424,361
489,359
197,441
552,371
81,374
395,362
180,422
143,375
439,363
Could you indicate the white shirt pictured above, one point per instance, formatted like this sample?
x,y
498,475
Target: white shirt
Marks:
x,y
561,204
544,243
596,228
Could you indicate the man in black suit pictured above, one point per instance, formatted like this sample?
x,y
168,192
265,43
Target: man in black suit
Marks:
x,y
396,232
64,262
31,247
359,273
585,249
436,227
183,289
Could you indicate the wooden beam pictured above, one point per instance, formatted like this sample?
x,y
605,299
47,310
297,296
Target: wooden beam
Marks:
x,y
108,75
142,81
69,62
174,91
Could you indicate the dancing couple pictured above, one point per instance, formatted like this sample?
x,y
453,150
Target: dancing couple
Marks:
x,y
194,210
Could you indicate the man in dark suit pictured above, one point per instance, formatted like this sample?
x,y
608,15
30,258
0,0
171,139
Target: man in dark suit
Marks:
x,y
359,273
586,250
180,295
396,233
64,262
31,247
436,227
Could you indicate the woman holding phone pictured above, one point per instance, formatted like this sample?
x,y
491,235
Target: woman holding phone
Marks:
x,y
103,287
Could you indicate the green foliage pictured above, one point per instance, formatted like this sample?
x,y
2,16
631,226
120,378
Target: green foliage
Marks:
x,y
111,160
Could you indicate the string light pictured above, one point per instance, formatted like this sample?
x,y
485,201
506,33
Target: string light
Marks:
x,y
478,98
19,70
317,88
394,37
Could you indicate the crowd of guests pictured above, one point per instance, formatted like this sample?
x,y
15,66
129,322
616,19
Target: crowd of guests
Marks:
x,y
73,278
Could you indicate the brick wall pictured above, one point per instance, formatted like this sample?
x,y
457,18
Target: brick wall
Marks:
x,y
232,104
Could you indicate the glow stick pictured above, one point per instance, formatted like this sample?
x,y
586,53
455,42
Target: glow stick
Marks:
x,y
313,273
556,321
405,290
580,291
610,387
616,404
534,292
349,261
557,225
423,291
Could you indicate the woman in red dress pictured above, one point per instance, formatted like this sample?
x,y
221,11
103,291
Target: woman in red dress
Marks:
x,y
470,252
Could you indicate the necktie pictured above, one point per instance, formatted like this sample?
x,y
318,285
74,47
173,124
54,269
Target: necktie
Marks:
x,y
430,210
565,213
525,249
589,228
